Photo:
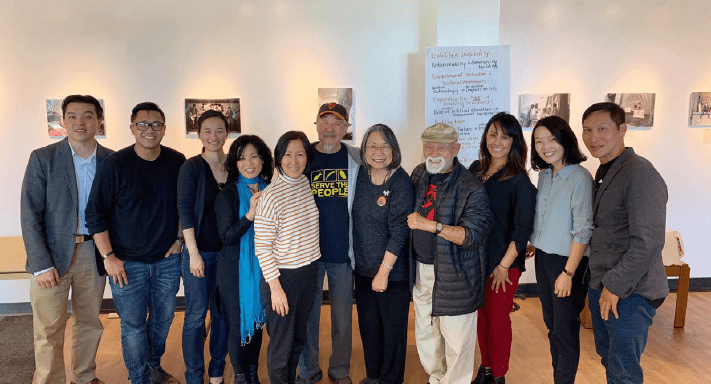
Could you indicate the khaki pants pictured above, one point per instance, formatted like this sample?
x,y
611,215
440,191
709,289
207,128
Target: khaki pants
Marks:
x,y
49,310
446,344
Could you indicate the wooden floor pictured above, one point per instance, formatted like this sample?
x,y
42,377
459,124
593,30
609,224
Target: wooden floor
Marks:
x,y
672,355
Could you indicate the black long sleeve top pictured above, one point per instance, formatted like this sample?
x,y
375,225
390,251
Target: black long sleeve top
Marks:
x,y
513,203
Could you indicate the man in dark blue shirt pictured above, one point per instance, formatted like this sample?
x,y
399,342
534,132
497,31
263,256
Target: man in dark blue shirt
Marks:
x,y
333,175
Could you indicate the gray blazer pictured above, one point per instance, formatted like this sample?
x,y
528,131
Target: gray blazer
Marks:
x,y
49,207
628,236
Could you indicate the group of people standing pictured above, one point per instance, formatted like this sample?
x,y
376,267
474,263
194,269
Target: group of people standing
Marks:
x,y
254,247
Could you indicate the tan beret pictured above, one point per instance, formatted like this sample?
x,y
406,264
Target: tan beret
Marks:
x,y
440,133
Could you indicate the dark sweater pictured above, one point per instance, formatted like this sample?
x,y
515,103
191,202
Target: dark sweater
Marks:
x,y
513,203
135,200
197,190
378,229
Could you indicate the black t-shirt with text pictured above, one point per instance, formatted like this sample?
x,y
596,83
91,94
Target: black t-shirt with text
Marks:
x,y
329,184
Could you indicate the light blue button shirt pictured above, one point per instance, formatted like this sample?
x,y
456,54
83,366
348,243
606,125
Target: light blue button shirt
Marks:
x,y
563,210
85,171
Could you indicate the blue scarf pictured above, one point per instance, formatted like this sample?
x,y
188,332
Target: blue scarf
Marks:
x,y
252,312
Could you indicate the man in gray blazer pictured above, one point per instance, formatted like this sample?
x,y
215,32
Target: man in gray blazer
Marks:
x,y
626,270
60,253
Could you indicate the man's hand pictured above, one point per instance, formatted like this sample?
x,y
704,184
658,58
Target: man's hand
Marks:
x,y
48,279
175,248
417,221
114,268
608,301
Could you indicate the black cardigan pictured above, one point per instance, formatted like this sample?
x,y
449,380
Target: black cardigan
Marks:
x,y
231,228
513,203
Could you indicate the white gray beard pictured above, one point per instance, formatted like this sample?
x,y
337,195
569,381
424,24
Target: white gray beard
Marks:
x,y
433,169
328,148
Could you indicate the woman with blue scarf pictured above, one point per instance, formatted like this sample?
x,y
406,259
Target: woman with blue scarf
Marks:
x,y
200,179
249,169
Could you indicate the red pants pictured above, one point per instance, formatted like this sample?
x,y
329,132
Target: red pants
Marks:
x,y
494,325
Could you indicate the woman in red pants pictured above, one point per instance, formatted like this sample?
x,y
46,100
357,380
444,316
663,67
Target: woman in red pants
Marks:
x,y
512,196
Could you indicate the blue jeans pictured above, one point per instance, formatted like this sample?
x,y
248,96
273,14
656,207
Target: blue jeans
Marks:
x,y
340,295
621,341
151,289
199,295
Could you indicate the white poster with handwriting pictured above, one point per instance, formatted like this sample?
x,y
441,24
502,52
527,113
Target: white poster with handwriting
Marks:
x,y
464,87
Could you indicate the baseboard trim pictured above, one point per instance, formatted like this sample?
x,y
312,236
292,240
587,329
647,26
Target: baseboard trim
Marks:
x,y
696,284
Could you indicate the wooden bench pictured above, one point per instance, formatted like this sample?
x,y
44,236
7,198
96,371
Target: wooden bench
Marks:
x,y
12,258
682,296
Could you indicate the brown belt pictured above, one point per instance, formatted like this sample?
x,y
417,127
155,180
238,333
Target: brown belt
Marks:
x,y
82,238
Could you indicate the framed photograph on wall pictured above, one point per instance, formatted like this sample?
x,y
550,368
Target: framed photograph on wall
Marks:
x,y
55,126
343,96
639,109
228,107
533,107
700,109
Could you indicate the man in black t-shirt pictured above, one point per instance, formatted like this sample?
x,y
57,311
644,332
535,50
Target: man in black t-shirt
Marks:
x,y
132,212
333,175
449,228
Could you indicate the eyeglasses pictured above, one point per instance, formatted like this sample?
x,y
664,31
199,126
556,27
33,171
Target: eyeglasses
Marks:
x,y
156,126
374,148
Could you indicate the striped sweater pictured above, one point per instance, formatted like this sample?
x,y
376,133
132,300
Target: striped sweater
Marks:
x,y
286,229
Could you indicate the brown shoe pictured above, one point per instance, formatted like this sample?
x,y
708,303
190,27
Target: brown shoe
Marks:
x,y
159,376
94,381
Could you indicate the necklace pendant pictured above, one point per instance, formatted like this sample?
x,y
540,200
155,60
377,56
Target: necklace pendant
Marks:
x,y
381,201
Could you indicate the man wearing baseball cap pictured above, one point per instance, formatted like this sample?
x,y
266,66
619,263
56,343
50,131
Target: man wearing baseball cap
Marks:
x,y
449,227
333,175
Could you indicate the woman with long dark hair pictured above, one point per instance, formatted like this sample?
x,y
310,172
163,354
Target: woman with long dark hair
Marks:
x,y
512,196
249,171
200,179
561,232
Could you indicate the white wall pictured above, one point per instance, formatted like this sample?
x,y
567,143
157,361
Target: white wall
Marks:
x,y
272,54
589,48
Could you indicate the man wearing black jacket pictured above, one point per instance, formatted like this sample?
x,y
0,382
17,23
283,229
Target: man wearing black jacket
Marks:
x,y
449,226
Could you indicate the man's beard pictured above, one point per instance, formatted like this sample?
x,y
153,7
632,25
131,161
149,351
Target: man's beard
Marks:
x,y
436,168
328,148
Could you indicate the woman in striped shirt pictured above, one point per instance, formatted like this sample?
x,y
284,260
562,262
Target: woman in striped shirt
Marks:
x,y
286,241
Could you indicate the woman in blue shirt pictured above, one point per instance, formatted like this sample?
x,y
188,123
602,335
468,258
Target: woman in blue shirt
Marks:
x,y
561,232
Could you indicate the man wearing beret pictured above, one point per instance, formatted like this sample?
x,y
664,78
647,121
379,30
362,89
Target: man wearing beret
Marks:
x,y
449,227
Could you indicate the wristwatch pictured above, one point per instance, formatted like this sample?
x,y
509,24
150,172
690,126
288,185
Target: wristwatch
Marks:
x,y
439,228
104,257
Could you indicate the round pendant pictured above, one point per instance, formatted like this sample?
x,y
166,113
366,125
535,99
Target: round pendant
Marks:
x,y
381,201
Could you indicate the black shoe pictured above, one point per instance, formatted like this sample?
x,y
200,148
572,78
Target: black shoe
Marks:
x,y
311,380
241,378
253,372
483,376
499,380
